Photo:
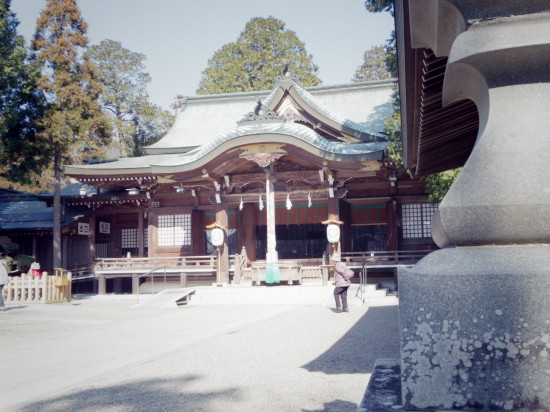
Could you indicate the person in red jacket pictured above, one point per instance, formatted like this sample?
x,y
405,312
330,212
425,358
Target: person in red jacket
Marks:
x,y
35,270
342,276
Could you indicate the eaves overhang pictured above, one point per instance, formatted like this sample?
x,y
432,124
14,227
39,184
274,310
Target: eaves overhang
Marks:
x,y
282,133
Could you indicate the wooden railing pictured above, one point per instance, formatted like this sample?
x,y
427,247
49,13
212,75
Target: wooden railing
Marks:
x,y
355,260
195,268
141,265
44,289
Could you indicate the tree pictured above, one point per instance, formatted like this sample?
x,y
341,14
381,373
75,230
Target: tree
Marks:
x,y
124,98
377,6
438,184
255,60
20,106
73,126
151,122
374,66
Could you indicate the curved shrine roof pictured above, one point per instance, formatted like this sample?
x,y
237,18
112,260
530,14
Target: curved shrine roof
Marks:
x,y
207,127
284,132
203,118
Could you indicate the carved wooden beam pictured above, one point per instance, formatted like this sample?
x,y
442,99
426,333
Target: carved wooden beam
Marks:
x,y
217,180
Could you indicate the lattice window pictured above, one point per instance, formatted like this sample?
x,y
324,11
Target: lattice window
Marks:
x,y
417,220
129,238
174,230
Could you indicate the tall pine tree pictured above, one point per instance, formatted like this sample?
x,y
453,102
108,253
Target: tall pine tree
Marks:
x,y
136,121
20,107
255,60
74,127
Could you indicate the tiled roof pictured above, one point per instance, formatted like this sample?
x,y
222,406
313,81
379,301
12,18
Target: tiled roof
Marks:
x,y
358,106
159,163
34,215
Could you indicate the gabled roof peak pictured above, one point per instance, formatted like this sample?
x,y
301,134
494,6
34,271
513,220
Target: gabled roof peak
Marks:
x,y
261,113
287,78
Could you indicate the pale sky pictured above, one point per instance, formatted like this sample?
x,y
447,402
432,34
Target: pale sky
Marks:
x,y
179,36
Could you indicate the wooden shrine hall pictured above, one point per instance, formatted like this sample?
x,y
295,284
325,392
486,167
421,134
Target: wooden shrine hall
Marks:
x,y
266,167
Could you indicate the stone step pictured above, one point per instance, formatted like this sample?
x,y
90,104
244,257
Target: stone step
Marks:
x,y
280,294
313,295
169,298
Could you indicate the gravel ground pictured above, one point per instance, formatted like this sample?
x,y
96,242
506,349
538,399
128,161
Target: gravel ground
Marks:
x,y
105,356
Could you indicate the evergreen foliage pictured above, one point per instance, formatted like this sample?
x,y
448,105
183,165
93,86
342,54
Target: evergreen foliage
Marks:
x,y
21,107
438,184
136,121
73,127
377,6
256,58
374,66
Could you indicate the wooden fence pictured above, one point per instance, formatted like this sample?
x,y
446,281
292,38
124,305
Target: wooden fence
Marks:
x,y
44,289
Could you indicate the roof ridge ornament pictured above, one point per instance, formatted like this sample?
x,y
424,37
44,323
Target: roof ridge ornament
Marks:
x,y
262,113
180,103
288,74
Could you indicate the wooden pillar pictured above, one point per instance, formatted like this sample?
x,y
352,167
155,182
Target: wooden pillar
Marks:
x,y
64,245
248,230
391,213
34,248
271,255
333,208
135,284
91,239
151,232
141,243
198,246
101,285
334,213
346,230
223,263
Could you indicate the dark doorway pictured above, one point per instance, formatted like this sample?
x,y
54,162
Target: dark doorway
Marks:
x,y
308,241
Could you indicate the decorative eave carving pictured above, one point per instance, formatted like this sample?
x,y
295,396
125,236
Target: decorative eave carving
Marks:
x,y
261,113
263,159
373,165
263,155
289,111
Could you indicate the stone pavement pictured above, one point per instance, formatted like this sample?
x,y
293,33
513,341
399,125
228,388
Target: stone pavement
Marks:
x,y
102,355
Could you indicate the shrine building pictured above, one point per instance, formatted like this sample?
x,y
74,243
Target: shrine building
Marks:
x,y
267,167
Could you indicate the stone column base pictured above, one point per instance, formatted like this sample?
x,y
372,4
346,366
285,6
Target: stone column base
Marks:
x,y
475,329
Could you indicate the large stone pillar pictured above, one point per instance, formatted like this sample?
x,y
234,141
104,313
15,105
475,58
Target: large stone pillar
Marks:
x,y
475,316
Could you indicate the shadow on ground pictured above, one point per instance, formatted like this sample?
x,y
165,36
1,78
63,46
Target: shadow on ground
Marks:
x,y
335,406
143,395
374,336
